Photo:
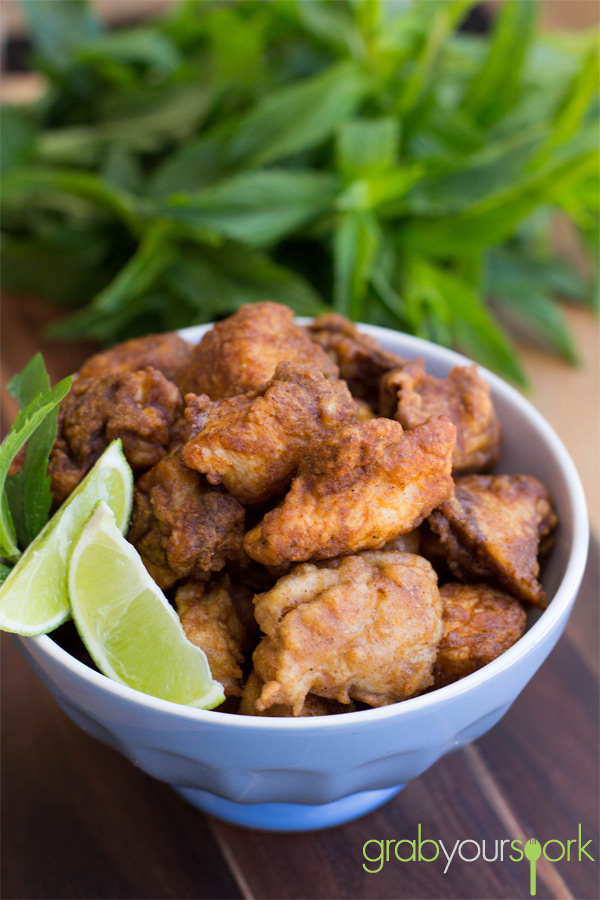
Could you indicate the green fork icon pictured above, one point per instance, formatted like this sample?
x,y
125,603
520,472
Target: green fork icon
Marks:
x,y
533,851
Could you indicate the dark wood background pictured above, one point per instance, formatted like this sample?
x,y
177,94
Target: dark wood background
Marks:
x,y
79,821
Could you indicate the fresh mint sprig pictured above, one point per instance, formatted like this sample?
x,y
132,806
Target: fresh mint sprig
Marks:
x,y
364,155
25,497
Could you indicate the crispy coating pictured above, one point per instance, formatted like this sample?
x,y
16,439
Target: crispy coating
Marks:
x,y
168,353
181,526
479,623
364,627
242,596
363,411
210,621
361,359
431,548
241,353
361,488
405,543
64,471
411,396
313,705
140,407
253,443
491,531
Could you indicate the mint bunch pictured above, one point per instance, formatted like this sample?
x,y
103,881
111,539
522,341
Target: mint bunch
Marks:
x,y
359,154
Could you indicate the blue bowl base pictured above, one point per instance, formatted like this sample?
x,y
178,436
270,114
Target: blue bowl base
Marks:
x,y
288,816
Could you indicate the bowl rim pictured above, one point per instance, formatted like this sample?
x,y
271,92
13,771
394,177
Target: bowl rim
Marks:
x,y
536,634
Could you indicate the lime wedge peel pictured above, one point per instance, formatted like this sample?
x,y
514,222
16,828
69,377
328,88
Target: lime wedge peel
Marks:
x,y
34,598
130,629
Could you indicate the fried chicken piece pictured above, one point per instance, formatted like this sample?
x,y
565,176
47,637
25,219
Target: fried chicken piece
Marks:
x,y
491,531
181,526
253,443
241,353
431,548
364,627
365,485
248,578
65,473
168,353
411,396
479,623
313,705
405,543
242,597
210,621
363,411
140,407
361,359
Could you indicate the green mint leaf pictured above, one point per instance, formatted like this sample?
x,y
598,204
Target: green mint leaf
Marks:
x,y
578,97
367,146
28,492
136,46
495,218
461,315
498,168
356,243
298,116
192,166
332,23
17,138
445,17
4,572
538,318
215,281
18,185
150,260
59,27
63,265
257,208
24,426
521,288
494,89
121,170
143,122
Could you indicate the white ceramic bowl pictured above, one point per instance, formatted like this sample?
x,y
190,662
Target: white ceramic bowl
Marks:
x,y
300,774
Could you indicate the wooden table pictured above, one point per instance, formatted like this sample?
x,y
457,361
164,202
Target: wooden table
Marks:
x,y
79,821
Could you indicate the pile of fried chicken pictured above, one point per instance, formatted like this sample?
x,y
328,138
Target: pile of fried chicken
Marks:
x,y
318,509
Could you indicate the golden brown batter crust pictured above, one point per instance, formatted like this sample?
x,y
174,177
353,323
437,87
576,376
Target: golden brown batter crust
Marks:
x,y
365,485
241,353
363,627
479,623
491,531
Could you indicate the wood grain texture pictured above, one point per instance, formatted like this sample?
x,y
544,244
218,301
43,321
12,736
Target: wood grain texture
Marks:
x,y
447,803
544,755
79,821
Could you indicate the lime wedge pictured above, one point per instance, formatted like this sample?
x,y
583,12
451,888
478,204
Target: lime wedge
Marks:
x,y
130,629
34,598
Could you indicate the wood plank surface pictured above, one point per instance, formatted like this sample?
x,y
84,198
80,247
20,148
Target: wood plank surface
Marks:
x,y
79,821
